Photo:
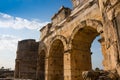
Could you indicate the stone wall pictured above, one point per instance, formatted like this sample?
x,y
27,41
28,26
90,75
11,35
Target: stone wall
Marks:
x,y
64,48
26,60
88,19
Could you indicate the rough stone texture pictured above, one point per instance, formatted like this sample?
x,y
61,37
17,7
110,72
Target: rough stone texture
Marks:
x,y
64,49
88,19
26,60
100,75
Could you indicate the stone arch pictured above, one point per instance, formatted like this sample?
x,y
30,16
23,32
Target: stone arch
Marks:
x,y
40,73
80,44
56,60
62,38
95,24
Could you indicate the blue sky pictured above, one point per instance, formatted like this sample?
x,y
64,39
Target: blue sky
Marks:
x,y
22,19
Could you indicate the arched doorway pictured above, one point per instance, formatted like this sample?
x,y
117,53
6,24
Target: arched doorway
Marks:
x,y
56,61
41,66
81,52
97,57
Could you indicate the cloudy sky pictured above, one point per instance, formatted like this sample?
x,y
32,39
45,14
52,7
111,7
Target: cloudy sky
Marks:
x,y
22,19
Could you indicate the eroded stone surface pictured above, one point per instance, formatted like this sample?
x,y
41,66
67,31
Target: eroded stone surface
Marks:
x,y
100,75
64,48
26,59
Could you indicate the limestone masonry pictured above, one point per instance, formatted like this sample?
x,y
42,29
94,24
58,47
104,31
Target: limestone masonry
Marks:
x,y
64,48
26,59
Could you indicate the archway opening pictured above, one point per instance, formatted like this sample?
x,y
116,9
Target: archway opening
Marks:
x,y
55,67
81,51
97,57
41,66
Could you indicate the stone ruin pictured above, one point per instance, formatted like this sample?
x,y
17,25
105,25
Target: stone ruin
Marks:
x,y
26,59
64,48
100,75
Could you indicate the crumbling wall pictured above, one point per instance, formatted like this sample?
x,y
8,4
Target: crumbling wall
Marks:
x,y
26,60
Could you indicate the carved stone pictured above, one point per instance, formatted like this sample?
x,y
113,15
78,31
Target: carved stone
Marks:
x,y
64,48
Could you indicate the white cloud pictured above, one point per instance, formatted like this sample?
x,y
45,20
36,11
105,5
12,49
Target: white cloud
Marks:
x,y
8,21
8,42
8,48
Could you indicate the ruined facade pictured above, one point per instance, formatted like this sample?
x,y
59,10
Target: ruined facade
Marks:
x,y
64,49
26,59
